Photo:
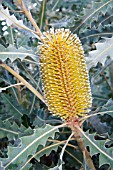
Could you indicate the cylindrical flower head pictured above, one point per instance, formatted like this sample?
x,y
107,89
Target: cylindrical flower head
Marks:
x,y
64,74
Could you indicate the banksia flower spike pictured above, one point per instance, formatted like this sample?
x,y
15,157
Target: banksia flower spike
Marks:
x,y
64,74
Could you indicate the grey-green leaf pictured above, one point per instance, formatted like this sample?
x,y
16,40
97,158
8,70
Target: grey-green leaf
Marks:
x,y
98,146
18,155
91,13
12,53
13,131
11,19
103,50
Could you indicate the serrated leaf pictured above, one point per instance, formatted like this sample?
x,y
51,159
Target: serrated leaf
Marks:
x,y
42,150
103,50
11,19
46,151
18,155
13,131
13,53
94,34
92,12
98,146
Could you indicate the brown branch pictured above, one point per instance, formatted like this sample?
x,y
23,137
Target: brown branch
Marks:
x,y
75,127
82,147
29,16
30,87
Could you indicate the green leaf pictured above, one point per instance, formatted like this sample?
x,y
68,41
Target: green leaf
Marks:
x,y
91,13
98,146
103,50
18,155
46,150
12,53
13,131
95,33
108,107
11,106
42,150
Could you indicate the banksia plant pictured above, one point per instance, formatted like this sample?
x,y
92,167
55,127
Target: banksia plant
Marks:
x,y
64,74
65,80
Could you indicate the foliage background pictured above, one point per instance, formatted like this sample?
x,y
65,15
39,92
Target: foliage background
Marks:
x,y
22,114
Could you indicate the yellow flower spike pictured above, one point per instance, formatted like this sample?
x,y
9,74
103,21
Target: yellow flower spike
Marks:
x,y
64,74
